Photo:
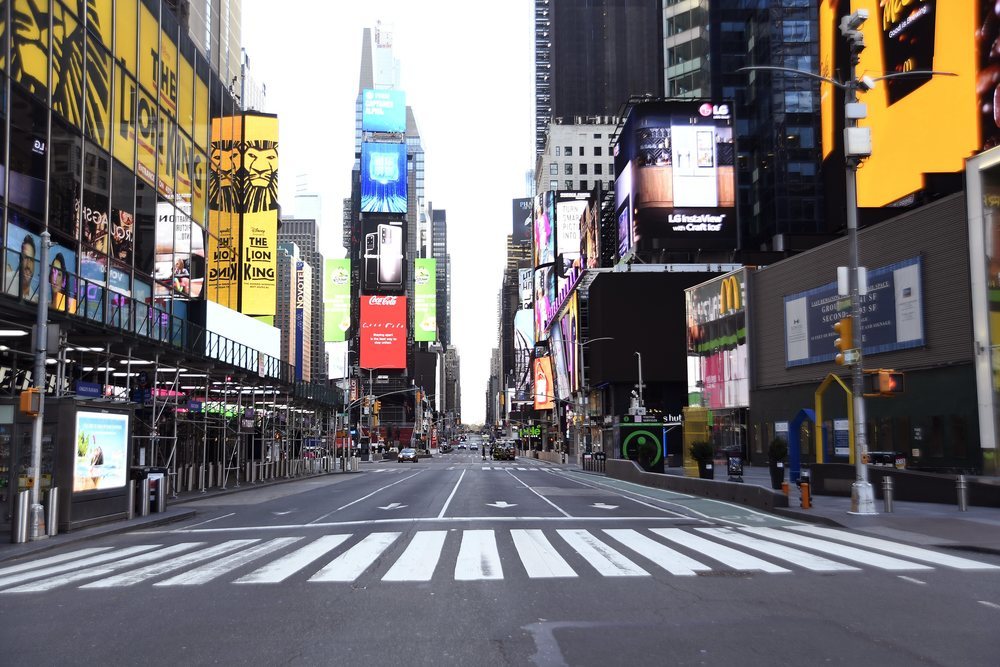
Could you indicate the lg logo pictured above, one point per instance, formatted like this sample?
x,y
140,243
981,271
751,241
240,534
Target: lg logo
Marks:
x,y
714,110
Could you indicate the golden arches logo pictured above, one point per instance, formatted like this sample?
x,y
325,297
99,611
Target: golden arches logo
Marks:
x,y
729,295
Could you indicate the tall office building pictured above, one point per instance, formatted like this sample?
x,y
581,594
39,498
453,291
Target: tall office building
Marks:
x,y
576,156
439,252
780,195
294,312
592,55
215,28
304,233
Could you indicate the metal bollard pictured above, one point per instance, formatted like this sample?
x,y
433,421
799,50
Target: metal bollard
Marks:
x,y
805,497
144,498
52,512
130,494
190,470
21,517
887,493
201,477
210,469
963,494
161,495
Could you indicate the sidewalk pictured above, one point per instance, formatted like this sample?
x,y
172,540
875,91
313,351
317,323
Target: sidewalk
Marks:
x,y
174,513
926,524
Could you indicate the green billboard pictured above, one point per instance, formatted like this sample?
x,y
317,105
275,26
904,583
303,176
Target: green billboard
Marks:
x,y
336,299
425,305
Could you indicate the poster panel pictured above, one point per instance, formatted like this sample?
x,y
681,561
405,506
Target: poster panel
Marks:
x,y
101,451
425,306
542,376
383,332
259,270
336,299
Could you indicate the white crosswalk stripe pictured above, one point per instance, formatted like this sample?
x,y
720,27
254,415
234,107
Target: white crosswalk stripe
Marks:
x,y
482,555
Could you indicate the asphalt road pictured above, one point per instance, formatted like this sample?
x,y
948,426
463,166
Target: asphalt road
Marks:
x,y
459,561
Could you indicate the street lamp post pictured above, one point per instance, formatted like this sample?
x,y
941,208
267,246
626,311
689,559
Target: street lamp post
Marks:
x,y
639,354
584,392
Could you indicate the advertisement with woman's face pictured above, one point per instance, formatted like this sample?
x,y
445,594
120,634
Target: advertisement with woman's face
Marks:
x,y
101,451
22,277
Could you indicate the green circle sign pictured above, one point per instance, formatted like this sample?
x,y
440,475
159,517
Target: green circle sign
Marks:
x,y
643,439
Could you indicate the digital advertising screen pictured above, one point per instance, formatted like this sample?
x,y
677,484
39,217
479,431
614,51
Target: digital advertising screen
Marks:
x,y
383,256
521,220
544,241
920,124
542,375
680,158
383,331
717,338
590,234
101,451
570,207
383,178
558,348
524,341
383,111
545,296
336,299
425,299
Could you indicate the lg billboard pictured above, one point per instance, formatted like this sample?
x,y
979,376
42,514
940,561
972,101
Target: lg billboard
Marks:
x,y
675,180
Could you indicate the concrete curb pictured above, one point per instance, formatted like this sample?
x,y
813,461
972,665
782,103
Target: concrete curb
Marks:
x,y
192,496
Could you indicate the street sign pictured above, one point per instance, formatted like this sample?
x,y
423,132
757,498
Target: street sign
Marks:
x,y
852,356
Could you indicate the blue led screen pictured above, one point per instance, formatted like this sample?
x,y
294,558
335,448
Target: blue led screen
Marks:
x,y
383,111
383,178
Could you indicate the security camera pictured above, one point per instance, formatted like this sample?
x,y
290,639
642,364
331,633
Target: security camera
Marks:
x,y
866,83
853,21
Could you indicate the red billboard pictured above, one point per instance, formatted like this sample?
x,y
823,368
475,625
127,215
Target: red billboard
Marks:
x,y
383,331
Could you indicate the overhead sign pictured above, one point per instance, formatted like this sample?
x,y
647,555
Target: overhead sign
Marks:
x,y
336,299
383,331
892,316
383,111
425,300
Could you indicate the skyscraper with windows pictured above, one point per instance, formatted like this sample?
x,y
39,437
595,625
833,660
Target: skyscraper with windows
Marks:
x,y
304,233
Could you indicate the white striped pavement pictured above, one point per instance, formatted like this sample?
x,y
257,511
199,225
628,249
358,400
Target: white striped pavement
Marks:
x,y
286,566
482,555
478,557
349,565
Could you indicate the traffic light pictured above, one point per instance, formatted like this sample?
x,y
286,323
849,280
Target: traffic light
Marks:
x,y
890,382
378,406
845,341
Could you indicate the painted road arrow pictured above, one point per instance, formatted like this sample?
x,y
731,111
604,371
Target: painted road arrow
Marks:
x,y
602,506
502,504
392,506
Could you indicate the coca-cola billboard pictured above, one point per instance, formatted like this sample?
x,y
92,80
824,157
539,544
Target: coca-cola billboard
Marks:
x,y
383,331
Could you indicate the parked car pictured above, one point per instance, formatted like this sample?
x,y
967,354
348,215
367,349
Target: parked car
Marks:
x,y
407,454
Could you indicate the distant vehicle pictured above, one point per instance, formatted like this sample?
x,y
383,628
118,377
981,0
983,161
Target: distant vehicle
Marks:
x,y
474,447
445,448
407,454
462,446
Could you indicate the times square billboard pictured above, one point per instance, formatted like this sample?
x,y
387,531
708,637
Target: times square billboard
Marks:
x,y
920,124
675,177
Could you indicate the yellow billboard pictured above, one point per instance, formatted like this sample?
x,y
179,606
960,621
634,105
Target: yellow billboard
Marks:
x,y
223,259
259,179
919,125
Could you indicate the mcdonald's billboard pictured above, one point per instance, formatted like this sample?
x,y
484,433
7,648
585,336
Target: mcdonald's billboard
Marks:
x,y
717,339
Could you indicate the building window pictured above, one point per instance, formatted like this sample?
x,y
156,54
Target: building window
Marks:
x,y
553,185
583,186
568,185
597,135
554,169
597,150
568,169
598,169
611,186
583,169
796,31
568,151
558,151
798,101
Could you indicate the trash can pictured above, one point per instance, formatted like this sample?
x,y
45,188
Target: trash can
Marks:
x,y
157,488
734,468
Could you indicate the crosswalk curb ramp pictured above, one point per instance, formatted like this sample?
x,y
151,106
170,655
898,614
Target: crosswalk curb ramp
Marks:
x,y
482,555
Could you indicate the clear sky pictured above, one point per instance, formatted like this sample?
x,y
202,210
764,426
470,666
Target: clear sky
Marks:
x,y
467,69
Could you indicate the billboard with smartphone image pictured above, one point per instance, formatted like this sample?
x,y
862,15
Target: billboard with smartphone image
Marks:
x,y
382,265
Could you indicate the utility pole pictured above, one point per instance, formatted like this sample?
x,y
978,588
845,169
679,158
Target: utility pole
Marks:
x,y
41,351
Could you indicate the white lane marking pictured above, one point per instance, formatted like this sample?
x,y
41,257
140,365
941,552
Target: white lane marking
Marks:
x,y
839,550
992,605
539,557
287,565
157,569
103,570
51,560
486,467
411,520
912,580
561,510
478,558
349,565
217,568
450,496
622,495
603,558
535,469
76,564
418,561
354,502
450,468
670,560
520,468
904,550
779,551
725,555
202,523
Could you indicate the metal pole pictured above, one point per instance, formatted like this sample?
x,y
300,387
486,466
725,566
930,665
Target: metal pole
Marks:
x,y
862,495
887,493
41,343
963,494
52,513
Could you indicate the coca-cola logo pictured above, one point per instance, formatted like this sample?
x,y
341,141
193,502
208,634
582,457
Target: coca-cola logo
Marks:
x,y
382,301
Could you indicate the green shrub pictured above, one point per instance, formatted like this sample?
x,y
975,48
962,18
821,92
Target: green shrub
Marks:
x,y
701,451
